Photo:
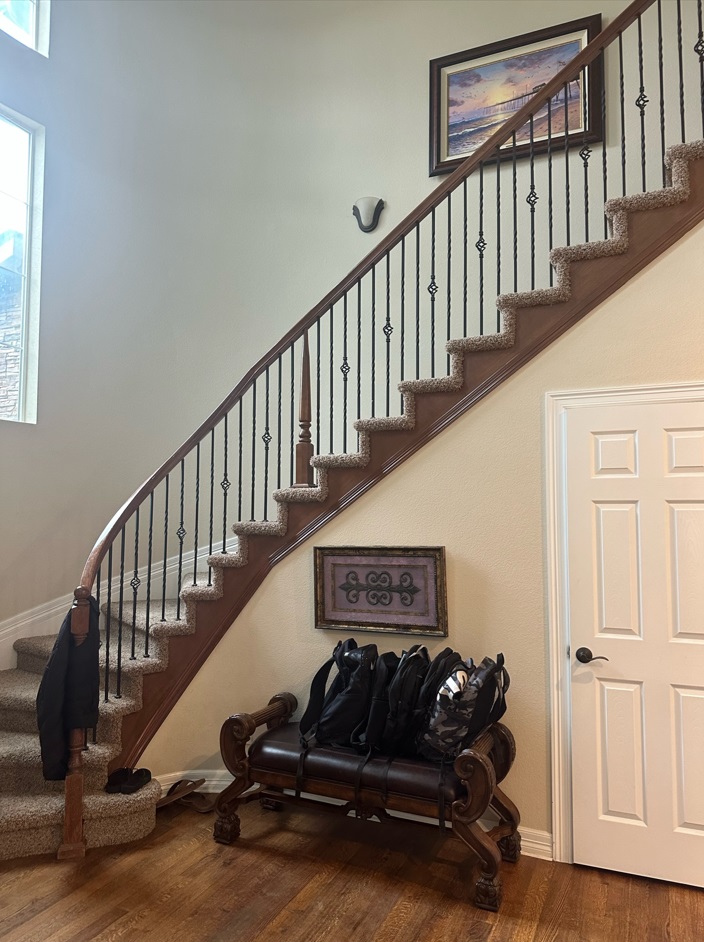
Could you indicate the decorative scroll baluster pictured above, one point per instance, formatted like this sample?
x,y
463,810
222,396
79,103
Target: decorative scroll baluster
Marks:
x,y
225,484
480,245
304,447
585,153
373,341
344,369
449,273
641,103
403,308
432,290
266,438
388,330
278,416
147,607
180,533
135,583
532,199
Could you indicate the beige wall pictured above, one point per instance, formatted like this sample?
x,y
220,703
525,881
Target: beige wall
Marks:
x,y
478,489
202,158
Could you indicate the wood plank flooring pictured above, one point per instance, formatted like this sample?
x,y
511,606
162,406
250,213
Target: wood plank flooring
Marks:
x,y
310,877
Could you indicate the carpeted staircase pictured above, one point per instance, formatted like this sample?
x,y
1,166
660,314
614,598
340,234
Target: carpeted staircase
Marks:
x,y
31,811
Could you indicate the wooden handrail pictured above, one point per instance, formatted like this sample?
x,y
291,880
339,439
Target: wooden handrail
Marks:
x,y
486,151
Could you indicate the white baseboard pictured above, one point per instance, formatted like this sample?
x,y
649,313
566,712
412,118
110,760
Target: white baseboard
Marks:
x,y
533,843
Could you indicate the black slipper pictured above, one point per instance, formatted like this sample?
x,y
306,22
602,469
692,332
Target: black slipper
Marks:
x,y
117,779
136,780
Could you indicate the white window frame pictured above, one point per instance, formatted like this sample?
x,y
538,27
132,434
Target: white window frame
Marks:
x,y
40,41
29,359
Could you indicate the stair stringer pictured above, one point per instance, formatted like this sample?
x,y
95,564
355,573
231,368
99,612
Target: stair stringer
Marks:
x,y
642,227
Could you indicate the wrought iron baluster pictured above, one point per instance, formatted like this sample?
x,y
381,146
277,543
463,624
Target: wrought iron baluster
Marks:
x,y
480,246
388,330
551,273
432,290
662,94
108,623
225,484
253,490
181,534
417,300
699,49
293,400
118,679
135,583
604,166
166,548
585,153
332,374
465,259
641,103
373,340
317,389
498,234
622,96
266,438
344,369
449,274
515,212
278,416
240,459
403,310
195,522
680,62
147,608
566,109
359,349
212,502
532,199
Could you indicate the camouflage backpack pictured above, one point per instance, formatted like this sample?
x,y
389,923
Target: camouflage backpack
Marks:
x,y
470,699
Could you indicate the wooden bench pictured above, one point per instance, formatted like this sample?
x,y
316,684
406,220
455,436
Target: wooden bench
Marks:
x,y
469,785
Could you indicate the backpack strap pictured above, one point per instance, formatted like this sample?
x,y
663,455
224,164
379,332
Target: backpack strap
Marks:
x,y
309,721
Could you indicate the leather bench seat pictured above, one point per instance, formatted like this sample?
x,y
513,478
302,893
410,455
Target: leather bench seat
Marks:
x,y
278,751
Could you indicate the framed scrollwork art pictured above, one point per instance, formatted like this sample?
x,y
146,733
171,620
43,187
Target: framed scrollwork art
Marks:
x,y
381,588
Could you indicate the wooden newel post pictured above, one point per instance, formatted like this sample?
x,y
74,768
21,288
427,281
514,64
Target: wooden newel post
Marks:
x,y
74,845
304,447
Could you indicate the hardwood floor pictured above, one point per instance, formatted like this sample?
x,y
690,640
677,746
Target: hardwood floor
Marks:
x,y
308,877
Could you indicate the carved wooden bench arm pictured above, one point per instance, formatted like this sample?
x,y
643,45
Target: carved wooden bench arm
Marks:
x,y
235,734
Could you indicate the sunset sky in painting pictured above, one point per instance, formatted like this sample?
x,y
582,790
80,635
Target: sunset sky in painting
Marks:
x,y
477,87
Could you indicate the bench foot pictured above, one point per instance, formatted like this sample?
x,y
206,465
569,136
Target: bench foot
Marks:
x,y
488,892
510,847
226,828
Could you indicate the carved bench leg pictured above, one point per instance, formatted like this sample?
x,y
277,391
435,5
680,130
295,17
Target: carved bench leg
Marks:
x,y
510,845
227,824
488,886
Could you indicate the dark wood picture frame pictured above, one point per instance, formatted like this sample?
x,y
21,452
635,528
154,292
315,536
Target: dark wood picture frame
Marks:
x,y
539,50
381,588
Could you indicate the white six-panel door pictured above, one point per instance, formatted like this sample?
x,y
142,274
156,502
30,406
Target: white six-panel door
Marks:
x,y
634,512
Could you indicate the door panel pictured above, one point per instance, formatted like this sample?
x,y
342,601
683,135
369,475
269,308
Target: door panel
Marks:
x,y
634,486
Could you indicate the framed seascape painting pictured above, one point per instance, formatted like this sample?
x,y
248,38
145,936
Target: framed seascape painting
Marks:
x,y
381,588
472,93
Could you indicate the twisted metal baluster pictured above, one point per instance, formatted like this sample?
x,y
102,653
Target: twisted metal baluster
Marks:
x,y
135,583
253,489
118,684
344,369
567,163
515,213
332,366
498,234
622,95
585,153
147,611
225,484
266,438
388,330
680,62
108,620
480,246
662,95
532,199
551,273
465,259
180,533
449,274
373,341
432,290
699,49
195,523
166,545
641,103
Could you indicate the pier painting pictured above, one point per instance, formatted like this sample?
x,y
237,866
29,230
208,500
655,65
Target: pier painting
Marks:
x,y
476,94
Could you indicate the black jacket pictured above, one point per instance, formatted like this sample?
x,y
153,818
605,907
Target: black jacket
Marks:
x,y
68,694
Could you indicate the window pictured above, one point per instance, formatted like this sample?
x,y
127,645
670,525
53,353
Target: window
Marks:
x,y
27,21
21,160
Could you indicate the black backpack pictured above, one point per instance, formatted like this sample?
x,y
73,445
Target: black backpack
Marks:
x,y
368,735
332,717
403,691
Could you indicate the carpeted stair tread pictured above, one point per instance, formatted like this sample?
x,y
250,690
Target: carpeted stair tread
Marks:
x,y
18,690
39,649
18,747
157,628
